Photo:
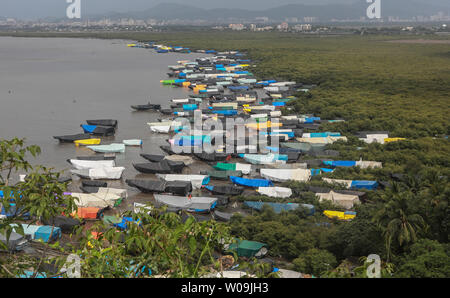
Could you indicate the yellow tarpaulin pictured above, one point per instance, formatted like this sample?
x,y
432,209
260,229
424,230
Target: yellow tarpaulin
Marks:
x,y
389,140
339,215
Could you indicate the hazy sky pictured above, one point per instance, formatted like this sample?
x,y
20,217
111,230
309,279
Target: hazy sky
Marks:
x,y
56,8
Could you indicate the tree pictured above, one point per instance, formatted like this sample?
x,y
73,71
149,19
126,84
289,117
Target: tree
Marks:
x,y
426,259
315,261
398,219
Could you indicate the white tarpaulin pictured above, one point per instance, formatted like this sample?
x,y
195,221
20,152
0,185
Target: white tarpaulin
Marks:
x,y
99,200
275,192
282,175
346,183
369,164
344,200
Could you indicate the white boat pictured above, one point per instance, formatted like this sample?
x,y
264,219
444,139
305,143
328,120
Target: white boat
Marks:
x,y
92,164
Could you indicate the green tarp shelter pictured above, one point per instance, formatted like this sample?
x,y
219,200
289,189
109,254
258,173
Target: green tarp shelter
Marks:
x,y
249,249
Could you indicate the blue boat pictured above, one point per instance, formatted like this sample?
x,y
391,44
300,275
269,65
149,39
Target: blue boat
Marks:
x,y
339,163
225,112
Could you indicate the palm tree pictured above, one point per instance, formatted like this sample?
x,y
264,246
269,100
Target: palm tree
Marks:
x,y
397,219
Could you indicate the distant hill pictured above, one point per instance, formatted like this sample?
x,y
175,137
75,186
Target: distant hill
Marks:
x,y
170,11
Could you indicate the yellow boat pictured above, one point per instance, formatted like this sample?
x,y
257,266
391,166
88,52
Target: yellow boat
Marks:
x,y
389,140
339,215
87,142
131,45
186,84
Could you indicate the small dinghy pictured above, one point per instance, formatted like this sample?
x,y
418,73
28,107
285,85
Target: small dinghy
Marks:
x,y
159,186
104,198
134,142
162,167
146,107
98,130
72,138
230,190
103,122
214,156
91,164
176,158
87,142
16,242
190,204
196,180
112,148
251,182
100,173
91,183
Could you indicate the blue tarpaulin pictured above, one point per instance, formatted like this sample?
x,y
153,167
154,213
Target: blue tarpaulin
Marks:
x,y
190,107
225,112
88,128
340,163
312,119
362,184
251,182
279,207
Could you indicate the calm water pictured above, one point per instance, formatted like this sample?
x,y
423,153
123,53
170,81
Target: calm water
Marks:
x,y
48,87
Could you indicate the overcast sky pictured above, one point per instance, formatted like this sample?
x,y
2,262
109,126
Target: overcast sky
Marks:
x,y
26,9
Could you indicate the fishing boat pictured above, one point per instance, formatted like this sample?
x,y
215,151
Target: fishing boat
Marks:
x,y
187,160
72,138
112,148
190,204
98,130
223,175
146,107
163,167
196,180
214,156
159,186
230,190
103,122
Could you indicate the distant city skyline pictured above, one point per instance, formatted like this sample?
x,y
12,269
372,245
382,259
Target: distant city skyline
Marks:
x,y
32,9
